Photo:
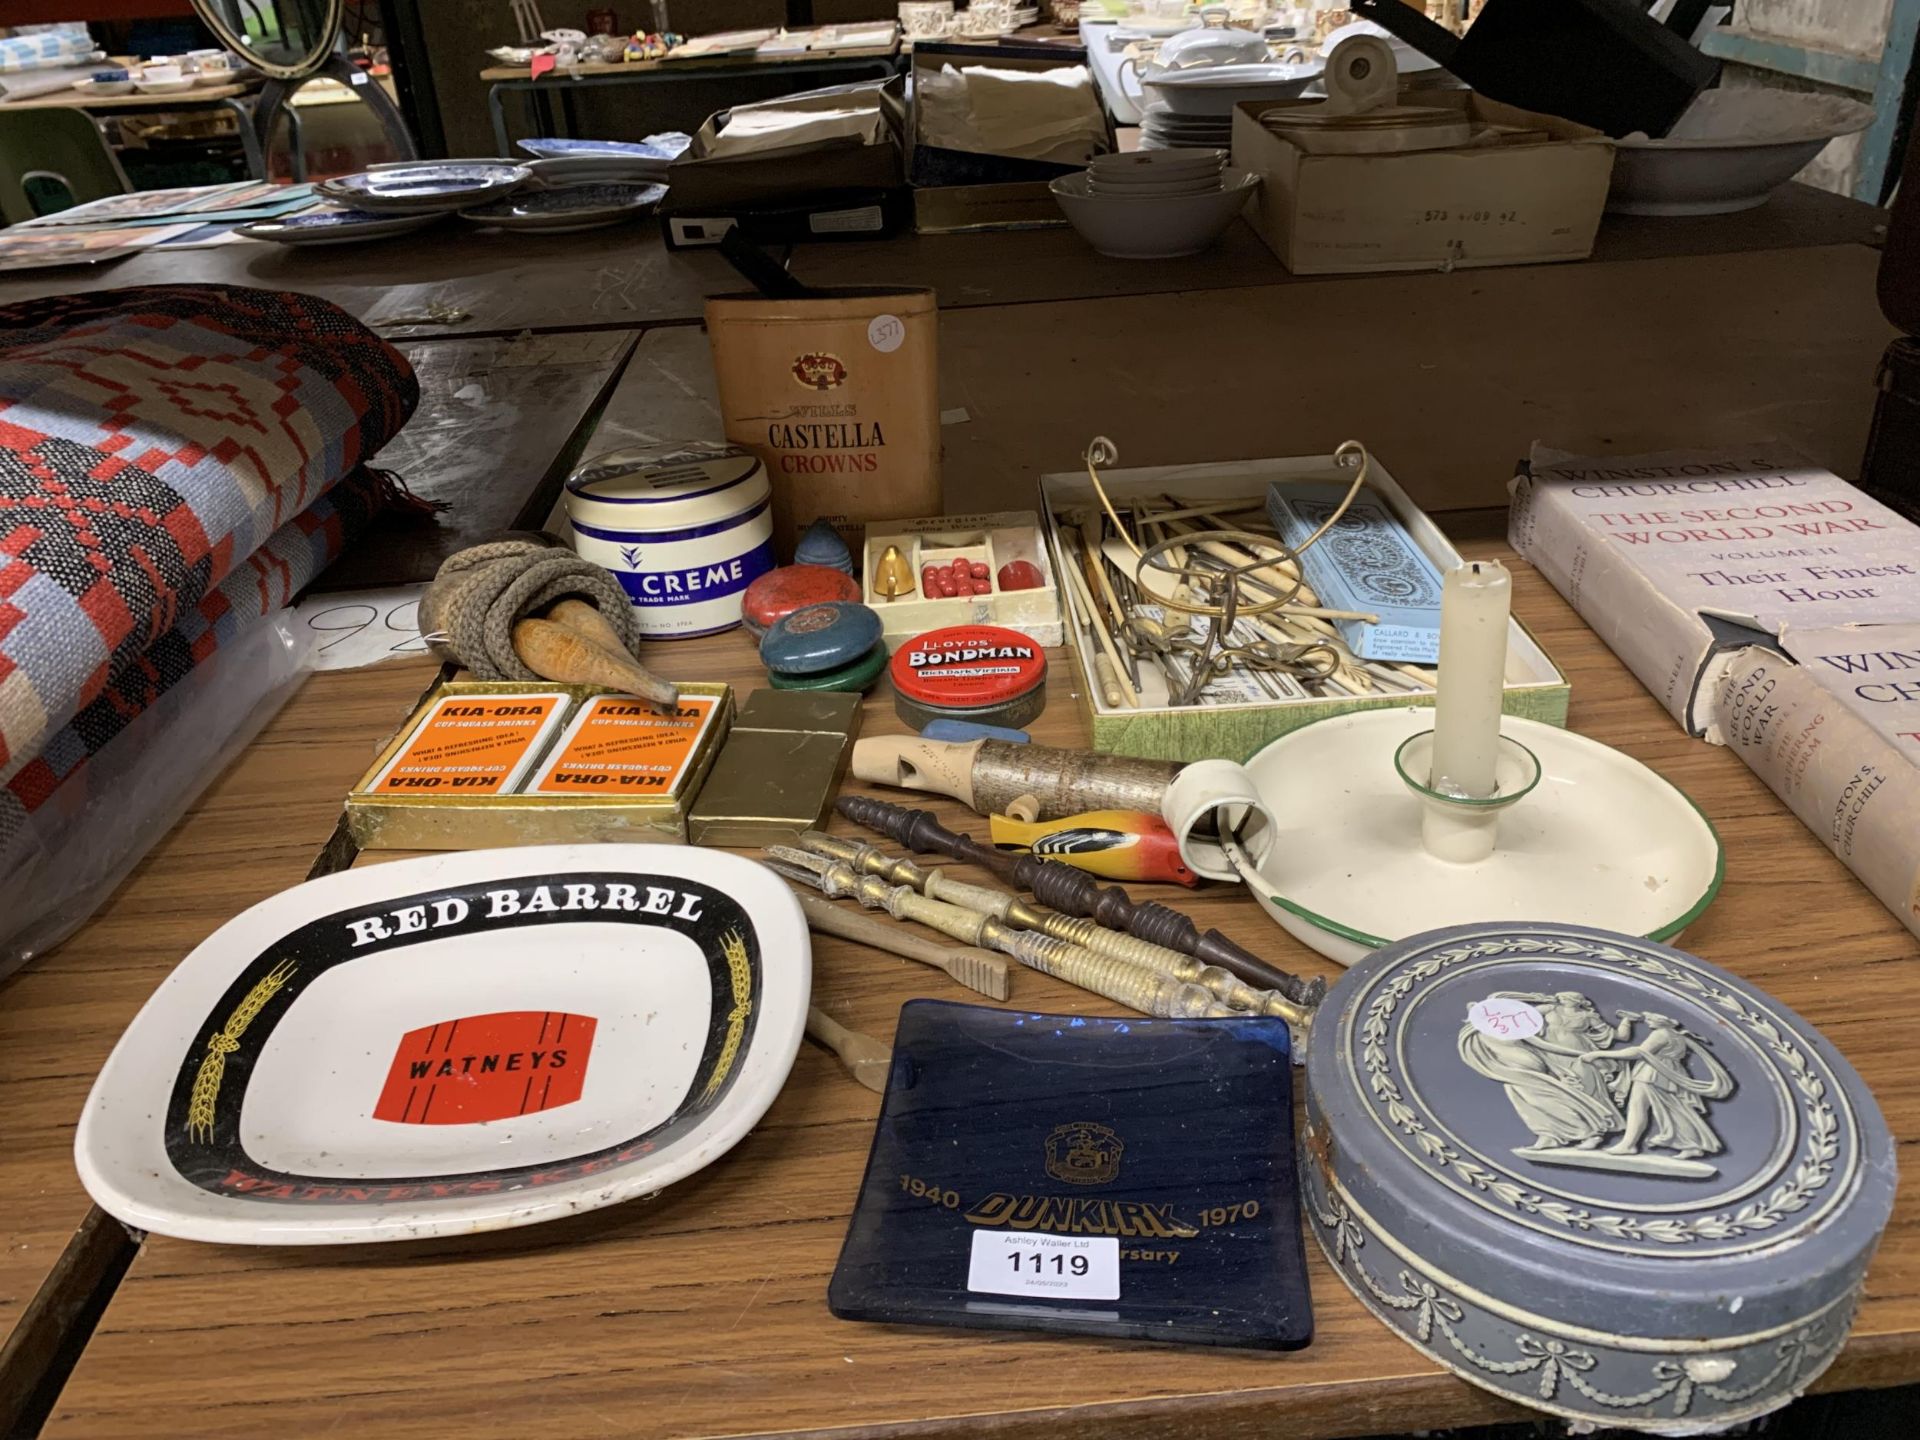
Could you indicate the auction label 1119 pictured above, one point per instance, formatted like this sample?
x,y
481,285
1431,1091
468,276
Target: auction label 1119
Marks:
x,y
1065,1267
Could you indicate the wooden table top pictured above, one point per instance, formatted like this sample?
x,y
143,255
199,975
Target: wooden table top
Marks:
x,y
1655,355
501,421
702,1312
1778,341
620,278
593,69
1401,361
184,100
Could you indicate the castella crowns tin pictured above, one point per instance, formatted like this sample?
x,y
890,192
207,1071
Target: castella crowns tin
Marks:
x,y
1593,1174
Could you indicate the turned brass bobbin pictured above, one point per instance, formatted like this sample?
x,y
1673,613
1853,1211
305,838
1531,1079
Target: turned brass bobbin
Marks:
x,y
1089,935
1135,986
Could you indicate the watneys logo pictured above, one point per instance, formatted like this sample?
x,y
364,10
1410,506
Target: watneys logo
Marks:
x,y
820,371
487,1067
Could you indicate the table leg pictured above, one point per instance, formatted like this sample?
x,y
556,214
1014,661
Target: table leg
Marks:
x,y
496,109
296,146
567,116
249,140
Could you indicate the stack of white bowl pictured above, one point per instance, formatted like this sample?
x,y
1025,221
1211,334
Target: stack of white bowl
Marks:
x,y
1154,204
1138,173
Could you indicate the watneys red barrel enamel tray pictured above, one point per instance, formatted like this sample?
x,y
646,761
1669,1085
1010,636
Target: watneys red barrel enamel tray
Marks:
x,y
453,1044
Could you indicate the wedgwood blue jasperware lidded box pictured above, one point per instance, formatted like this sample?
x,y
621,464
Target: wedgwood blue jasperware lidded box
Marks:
x,y
1593,1174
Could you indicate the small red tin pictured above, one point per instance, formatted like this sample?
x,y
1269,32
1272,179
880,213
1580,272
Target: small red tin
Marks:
x,y
982,673
793,587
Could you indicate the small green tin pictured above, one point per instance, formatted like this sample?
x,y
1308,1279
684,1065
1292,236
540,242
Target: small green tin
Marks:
x,y
855,678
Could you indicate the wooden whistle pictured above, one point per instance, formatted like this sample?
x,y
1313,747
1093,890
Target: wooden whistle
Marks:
x,y
1028,782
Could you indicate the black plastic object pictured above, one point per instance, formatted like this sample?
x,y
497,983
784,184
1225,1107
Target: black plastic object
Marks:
x,y
1020,1159
1603,63
761,270
1890,471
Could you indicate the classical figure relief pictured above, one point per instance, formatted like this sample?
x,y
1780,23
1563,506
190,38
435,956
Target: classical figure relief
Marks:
x,y
1596,1098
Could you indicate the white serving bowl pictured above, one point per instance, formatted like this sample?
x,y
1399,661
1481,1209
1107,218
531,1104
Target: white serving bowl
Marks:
x,y
1215,90
1153,227
1212,45
1730,151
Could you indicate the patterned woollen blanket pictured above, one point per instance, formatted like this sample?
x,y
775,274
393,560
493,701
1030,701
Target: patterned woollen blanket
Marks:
x,y
266,580
151,440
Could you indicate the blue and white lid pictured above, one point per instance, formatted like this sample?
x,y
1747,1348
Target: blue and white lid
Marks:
x,y
667,488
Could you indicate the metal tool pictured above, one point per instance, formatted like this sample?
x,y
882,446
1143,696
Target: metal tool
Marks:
x,y
981,971
1075,892
935,884
1135,986
866,1059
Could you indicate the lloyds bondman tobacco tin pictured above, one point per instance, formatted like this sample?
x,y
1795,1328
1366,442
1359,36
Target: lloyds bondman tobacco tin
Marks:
x,y
1592,1174
983,673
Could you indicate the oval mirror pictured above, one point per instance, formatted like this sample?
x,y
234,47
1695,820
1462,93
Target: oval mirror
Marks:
x,y
283,38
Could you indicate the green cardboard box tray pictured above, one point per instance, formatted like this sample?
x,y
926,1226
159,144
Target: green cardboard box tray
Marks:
x,y
1535,687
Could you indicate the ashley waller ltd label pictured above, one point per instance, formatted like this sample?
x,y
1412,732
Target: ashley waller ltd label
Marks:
x,y
1068,1267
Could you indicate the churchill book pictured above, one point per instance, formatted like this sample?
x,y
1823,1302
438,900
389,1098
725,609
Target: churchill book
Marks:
x,y
1831,721
1681,559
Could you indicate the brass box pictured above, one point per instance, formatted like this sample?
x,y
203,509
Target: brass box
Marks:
x,y
784,760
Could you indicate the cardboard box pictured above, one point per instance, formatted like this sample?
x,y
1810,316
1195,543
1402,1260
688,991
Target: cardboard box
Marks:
x,y
1535,196
993,539
1535,687
700,182
961,190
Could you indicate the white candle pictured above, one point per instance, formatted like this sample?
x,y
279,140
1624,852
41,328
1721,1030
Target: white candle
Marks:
x,y
1474,605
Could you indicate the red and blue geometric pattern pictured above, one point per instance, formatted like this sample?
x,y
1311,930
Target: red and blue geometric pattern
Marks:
x,y
267,580
151,440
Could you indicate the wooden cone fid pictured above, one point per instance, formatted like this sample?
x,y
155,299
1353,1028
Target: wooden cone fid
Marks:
x,y
587,621
561,653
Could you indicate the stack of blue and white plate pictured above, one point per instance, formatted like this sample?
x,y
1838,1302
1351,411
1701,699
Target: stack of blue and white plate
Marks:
x,y
618,162
426,187
393,199
563,209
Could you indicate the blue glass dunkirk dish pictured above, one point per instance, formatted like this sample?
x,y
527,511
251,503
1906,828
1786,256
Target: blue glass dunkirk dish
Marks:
x,y
1123,1178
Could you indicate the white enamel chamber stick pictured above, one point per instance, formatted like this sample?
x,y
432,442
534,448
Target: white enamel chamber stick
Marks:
x,y
1320,823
